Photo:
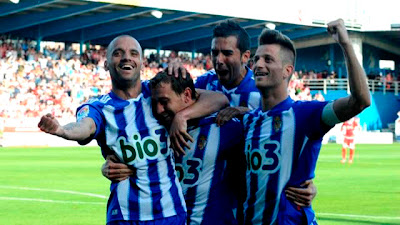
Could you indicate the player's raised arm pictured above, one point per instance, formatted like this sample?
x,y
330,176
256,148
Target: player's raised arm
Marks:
x,y
77,131
359,99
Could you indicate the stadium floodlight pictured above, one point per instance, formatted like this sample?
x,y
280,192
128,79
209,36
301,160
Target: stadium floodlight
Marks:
x,y
270,26
157,14
14,1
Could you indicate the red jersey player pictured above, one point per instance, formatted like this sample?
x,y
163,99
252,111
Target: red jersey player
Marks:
x,y
349,128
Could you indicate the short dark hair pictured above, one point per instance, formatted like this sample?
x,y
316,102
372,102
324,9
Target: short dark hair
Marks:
x,y
276,37
231,28
178,84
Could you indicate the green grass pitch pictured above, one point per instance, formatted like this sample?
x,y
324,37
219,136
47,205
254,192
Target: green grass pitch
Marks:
x,y
65,186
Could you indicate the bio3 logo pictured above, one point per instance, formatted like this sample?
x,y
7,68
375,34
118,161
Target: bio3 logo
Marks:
x,y
189,171
146,148
266,159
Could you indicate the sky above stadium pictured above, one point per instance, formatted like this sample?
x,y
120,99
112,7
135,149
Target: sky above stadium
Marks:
x,y
372,15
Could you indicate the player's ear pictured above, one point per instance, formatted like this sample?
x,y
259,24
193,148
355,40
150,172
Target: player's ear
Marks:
x,y
245,57
288,70
187,95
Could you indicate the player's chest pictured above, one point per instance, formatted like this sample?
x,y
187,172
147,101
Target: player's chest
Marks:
x,y
267,139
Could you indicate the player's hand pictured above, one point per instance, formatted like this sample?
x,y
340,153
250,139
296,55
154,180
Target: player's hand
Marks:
x,y
304,195
113,170
228,113
49,124
178,134
338,31
174,68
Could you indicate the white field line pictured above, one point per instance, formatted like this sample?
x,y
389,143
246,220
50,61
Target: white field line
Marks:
x,y
105,197
50,201
55,190
359,216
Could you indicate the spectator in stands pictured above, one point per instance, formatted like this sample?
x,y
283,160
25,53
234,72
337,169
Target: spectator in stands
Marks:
x,y
388,80
319,97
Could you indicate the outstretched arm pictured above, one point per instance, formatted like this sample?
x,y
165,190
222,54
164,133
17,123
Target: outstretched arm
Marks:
x,y
77,131
208,102
359,99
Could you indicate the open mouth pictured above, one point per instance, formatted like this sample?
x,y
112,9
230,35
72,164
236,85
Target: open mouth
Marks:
x,y
222,72
261,74
126,67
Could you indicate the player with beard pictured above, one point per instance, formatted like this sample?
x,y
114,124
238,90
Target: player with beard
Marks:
x,y
123,124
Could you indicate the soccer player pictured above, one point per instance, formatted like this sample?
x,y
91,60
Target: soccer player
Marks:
x,y
283,137
349,129
230,52
123,125
209,190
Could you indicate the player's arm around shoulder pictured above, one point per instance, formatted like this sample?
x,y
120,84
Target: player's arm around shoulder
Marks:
x,y
207,102
77,131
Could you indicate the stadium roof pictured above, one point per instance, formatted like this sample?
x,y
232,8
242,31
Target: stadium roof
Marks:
x,y
74,21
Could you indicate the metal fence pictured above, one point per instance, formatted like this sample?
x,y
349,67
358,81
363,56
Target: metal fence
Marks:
x,y
326,85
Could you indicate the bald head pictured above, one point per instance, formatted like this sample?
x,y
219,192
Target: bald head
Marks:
x,y
123,38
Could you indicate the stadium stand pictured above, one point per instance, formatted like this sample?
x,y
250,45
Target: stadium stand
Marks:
x,y
37,79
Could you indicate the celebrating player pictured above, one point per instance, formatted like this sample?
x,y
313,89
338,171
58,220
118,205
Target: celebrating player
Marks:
x,y
123,125
209,190
283,137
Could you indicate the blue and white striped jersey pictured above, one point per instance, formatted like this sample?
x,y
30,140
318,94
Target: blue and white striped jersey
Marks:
x,y
209,171
128,129
246,94
274,142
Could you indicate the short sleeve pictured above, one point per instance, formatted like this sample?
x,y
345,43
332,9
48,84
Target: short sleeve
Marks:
x,y
88,110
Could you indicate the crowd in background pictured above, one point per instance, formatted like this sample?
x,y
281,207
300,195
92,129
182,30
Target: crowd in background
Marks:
x,y
58,80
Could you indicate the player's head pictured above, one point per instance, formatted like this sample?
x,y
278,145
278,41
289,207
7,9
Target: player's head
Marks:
x,y
124,61
170,95
274,59
230,51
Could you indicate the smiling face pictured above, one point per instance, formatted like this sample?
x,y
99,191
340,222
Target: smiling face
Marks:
x,y
270,69
166,102
124,61
227,60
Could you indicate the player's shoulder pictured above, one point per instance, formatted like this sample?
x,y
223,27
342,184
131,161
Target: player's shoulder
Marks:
x,y
99,100
248,83
209,75
302,105
146,90
252,114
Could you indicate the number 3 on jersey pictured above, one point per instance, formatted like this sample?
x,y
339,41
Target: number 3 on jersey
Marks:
x,y
189,171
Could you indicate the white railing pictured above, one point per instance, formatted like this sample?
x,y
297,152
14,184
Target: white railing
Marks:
x,y
326,85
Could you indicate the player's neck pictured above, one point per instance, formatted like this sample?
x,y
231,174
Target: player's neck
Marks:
x,y
272,97
243,72
128,92
236,83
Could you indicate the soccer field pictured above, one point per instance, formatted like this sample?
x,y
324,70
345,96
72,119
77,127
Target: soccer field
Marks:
x,y
65,186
